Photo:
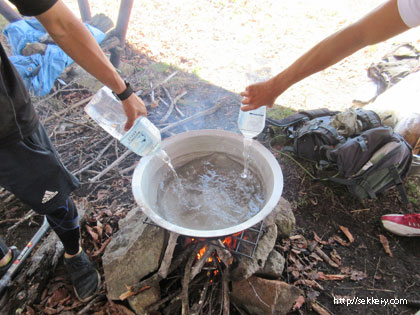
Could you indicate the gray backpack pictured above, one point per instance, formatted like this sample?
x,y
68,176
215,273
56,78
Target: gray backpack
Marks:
x,y
370,161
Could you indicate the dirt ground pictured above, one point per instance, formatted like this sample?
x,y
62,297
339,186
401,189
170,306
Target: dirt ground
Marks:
x,y
218,41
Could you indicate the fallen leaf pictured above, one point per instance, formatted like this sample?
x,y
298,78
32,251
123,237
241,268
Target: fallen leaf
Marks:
x,y
347,233
129,293
295,274
108,229
385,244
319,309
29,310
323,276
312,295
92,233
57,296
316,257
357,275
102,194
319,240
335,257
339,240
295,237
299,302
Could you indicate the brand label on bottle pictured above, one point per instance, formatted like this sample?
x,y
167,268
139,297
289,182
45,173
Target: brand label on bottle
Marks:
x,y
140,138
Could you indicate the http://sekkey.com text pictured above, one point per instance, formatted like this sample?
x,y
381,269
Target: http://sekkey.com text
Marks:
x,y
369,301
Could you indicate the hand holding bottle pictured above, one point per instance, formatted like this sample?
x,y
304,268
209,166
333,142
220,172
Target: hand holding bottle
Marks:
x,y
133,109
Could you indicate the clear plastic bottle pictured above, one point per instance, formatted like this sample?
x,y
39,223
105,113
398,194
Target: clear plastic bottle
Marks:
x,y
252,123
143,138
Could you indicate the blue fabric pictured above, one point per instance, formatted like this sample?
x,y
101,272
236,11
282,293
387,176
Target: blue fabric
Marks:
x,y
39,71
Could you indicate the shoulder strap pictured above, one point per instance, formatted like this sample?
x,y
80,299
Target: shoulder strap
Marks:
x,y
299,117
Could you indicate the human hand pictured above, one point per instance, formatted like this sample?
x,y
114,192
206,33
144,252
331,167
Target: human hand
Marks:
x,y
257,95
133,108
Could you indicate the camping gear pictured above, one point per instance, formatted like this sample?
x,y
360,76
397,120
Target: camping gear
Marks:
x,y
362,154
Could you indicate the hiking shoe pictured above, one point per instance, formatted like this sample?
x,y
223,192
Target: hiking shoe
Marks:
x,y
15,254
84,276
402,224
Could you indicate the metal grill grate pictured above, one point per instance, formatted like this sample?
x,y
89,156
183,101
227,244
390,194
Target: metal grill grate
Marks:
x,y
246,241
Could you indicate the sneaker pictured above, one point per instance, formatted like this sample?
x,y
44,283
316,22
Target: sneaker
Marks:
x,y
15,254
402,224
84,276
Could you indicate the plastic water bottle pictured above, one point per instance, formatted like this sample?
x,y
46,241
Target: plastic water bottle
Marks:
x,y
251,123
143,137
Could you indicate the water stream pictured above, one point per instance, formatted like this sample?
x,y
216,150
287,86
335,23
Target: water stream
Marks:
x,y
246,153
214,194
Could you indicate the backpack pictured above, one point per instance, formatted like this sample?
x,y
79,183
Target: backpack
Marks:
x,y
369,159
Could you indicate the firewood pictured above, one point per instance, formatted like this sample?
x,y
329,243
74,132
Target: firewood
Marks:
x,y
167,258
187,278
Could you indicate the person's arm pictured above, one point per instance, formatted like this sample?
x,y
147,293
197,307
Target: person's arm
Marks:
x,y
76,40
380,24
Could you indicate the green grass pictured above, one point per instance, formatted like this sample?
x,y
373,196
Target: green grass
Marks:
x,y
413,192
160,67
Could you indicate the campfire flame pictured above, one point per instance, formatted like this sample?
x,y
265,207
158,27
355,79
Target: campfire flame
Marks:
x,y
230,242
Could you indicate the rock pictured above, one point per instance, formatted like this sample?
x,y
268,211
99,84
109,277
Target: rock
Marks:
x,y
283,217
34,48
134,252
273,267
141,301
246,267
263,297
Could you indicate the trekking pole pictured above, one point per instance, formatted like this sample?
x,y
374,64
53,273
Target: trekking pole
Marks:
x,y
8,276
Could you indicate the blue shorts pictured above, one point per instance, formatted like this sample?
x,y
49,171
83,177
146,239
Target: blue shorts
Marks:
x,y
33,172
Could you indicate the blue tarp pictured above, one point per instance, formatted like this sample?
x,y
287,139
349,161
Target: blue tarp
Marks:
x,y
49,66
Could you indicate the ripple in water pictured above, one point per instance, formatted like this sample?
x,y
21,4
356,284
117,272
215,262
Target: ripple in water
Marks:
x,y
214,196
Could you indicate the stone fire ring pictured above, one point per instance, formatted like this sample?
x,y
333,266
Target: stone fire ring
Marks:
x,y
183,148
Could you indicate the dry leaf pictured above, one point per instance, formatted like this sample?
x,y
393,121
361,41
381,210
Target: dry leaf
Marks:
x,y
57,296
129,293
299,302
323,276
295,237
92,233
319,240
103,247
311,295
102,194
29,310
316,257
319,309
339,240
335,257
108,229
347,233
357,275
385,244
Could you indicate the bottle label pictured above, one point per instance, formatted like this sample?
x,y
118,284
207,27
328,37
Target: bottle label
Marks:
x,y
140,138
251,123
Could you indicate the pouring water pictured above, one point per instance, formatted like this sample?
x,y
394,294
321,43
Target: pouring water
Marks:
x,y
250,123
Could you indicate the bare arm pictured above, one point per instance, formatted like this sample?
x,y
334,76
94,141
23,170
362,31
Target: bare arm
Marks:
x,y
76,40
380,24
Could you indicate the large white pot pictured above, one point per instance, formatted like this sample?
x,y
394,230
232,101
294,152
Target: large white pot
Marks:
x,y
185,147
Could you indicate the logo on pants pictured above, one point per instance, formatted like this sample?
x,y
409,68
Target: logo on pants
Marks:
x,y
48,195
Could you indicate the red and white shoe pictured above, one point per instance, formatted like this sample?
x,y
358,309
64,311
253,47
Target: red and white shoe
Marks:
x,y
402,224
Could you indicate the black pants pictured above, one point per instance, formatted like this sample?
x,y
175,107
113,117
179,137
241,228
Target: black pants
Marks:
x,y
33,172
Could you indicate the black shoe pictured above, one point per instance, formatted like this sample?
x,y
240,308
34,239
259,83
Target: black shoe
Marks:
x,y
84,276
15,254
